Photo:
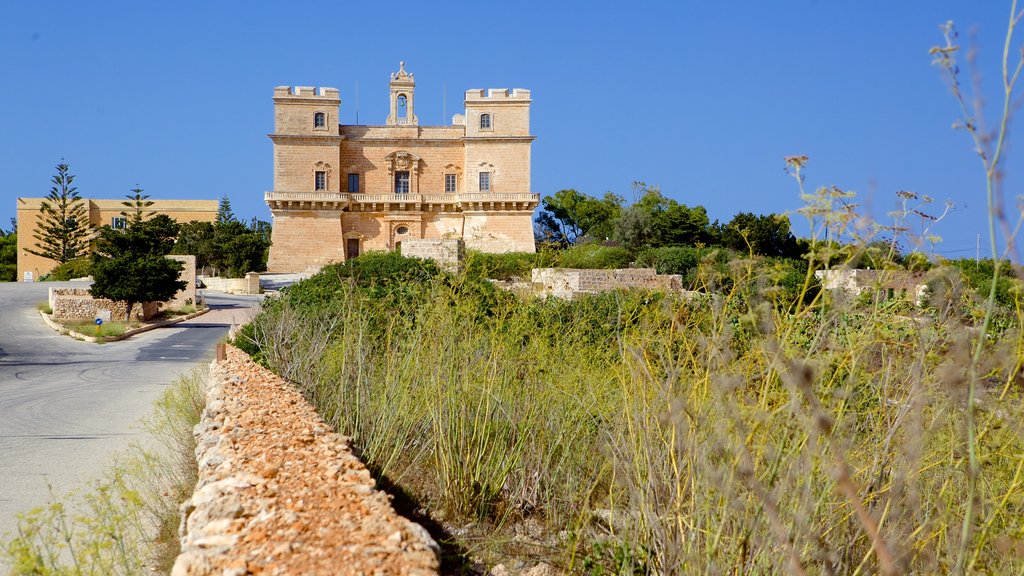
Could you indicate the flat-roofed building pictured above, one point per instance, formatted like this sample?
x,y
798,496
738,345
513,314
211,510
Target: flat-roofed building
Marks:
x,y
101,213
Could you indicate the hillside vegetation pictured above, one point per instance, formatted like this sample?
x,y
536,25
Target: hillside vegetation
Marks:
x,y
758,431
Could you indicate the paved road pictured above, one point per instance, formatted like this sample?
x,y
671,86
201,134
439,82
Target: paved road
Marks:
x,y
66,406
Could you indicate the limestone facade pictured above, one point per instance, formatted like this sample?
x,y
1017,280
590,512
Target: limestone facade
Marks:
x,y
101,213
341,190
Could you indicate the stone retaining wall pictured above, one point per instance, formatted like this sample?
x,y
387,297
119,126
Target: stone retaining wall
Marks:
x,y
78,304
248,285
449,253
568,282
280,493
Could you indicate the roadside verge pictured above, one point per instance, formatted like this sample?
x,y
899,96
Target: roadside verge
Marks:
x,y
78,335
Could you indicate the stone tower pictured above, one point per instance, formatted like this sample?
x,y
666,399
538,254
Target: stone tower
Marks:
x,y
402,88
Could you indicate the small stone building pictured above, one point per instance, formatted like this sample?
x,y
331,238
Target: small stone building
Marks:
x,y
341,190
101,213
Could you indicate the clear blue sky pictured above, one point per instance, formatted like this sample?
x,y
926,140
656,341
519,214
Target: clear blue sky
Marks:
x,y
701,98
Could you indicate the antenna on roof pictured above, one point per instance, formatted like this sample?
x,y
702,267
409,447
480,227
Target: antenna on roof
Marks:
x,y
444,102
357,102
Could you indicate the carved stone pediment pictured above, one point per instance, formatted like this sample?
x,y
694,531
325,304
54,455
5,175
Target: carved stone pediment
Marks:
x,y
402,160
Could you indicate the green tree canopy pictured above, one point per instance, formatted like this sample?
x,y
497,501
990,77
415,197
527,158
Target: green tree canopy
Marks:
x,y
62,232
196,238
655,220
569,215
229,247
131,264
9,253
763,235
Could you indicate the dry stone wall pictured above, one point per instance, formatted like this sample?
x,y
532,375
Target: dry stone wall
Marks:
x,y
78,304
280,493
569,282
448,254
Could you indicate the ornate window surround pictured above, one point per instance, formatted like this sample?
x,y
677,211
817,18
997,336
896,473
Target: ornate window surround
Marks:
x,y
324,167
456,171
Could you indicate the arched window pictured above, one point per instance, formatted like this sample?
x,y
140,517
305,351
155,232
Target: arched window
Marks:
x,y
319,120
485,121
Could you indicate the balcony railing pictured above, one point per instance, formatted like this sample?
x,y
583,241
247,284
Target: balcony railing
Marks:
x,y
306,200
449,198
342,200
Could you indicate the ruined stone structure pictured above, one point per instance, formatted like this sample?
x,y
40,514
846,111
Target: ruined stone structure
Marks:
x,y
341,190
886,284
101,213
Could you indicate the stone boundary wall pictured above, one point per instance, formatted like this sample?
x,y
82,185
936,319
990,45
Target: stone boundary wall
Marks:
x,y
248,285
568,282
449,253
187,295
280,493
78,304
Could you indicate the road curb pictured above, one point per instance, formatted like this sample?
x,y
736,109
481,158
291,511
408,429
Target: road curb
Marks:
x,y
128,334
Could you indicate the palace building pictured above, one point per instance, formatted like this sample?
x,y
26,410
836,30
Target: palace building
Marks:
x,y
341,190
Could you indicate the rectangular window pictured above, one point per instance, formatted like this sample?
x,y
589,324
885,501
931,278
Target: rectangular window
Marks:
x,y
449,182
353,183
402,182
485,181
118,223
320,180
319,120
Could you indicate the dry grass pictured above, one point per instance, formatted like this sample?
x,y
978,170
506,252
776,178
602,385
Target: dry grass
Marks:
x,y
126,523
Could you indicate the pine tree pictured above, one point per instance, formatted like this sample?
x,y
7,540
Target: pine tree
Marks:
x,y
137,203
224,213
63,228
131,264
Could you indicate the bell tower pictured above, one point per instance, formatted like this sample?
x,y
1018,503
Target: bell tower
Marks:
x,y
402,87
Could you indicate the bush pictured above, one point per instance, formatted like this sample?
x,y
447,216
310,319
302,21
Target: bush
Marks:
x,y
77,268
382,273
594,256
500,266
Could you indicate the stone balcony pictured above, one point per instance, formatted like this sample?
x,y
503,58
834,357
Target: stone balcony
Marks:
x,y
306,200
431,202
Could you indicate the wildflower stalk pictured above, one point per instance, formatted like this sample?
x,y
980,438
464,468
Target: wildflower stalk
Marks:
x,y
991,156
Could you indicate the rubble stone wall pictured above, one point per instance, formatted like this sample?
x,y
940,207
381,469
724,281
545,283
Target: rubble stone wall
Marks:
x,y
187,295
280,493
568,282
78,304
448,253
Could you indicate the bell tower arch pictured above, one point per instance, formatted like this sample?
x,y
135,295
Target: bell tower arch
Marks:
x,y
402,88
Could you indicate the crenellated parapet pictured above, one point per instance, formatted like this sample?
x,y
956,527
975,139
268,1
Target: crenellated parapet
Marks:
x,y
498,95
293,92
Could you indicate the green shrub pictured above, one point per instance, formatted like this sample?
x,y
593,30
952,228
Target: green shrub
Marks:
x,y
500,266
593,256
657,432
383,273
77,268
